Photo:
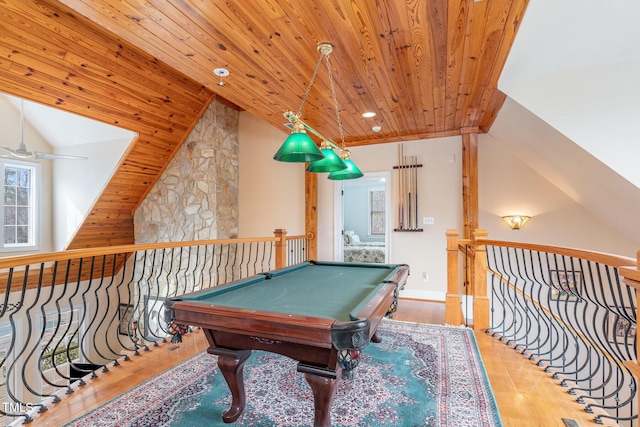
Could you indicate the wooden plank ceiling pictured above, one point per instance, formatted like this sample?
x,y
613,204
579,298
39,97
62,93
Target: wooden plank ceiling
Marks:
x,y
428,68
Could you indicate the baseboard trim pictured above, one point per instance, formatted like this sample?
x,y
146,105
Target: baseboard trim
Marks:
x,y
423,295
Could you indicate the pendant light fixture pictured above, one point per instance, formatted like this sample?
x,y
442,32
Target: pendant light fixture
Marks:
x,y
350,172
330,161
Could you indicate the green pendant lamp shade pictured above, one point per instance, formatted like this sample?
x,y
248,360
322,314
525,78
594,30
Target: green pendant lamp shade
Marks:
x,y
331,162
351,172
298,147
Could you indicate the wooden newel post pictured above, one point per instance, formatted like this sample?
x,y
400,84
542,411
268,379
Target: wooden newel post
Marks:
x,y
453,309
281,247
480,300
631,276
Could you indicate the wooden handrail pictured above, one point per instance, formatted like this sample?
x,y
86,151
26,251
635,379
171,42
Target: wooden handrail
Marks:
x,y
15,261
600,257
308,235
75,264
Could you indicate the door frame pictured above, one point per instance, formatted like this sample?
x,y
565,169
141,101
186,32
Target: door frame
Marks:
x,y
338,214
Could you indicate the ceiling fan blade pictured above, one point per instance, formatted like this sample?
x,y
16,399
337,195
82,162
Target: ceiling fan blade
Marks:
x,y
19,153
40,155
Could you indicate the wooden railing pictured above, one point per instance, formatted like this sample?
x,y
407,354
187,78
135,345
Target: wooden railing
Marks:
x,y
65,315
572,311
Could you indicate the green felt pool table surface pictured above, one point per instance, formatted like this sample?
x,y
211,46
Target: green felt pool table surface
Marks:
x,y
319,289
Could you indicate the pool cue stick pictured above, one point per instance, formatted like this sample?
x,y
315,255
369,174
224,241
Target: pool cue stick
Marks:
x,y
409,217
413,195
415,204
400,186
413,192
404,187
410,192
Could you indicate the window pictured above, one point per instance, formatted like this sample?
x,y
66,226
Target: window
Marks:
x,y
19,207
376,212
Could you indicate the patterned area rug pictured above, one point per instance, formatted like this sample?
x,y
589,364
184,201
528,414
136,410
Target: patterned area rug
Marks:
x,y
420,375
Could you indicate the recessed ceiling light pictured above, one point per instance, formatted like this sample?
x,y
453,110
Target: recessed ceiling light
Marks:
x,y
369,114
376,128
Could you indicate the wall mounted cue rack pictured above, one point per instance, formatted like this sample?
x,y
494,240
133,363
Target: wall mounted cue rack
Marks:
x,y
407,191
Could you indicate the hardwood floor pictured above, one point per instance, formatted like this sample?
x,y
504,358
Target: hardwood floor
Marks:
x,y
526,396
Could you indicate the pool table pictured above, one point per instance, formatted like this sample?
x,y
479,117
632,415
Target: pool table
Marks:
x,y
321,314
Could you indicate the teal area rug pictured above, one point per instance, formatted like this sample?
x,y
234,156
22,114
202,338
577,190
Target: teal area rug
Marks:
x,y
420,375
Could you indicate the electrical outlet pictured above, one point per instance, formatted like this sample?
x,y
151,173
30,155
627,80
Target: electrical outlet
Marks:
x,y
425,276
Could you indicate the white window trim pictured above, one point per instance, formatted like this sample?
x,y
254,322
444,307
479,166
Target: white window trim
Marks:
x,y
35,214
369,211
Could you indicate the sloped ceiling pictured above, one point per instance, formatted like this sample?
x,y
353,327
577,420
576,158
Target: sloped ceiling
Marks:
x,y
575,102
575,64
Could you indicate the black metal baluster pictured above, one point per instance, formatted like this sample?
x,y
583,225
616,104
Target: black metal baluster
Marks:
x,y
99,300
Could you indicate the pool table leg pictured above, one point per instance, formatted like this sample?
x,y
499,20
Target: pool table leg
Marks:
x,y
324,390
231,365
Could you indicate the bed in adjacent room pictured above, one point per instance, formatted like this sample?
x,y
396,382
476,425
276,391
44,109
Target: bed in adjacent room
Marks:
x,y
356,250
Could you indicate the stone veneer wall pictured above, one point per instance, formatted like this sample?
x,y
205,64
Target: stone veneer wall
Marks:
x,y
197,196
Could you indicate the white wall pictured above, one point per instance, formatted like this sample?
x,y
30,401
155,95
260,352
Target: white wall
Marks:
x,y
78,183
598,189
439,196
272,196
271,192
507,185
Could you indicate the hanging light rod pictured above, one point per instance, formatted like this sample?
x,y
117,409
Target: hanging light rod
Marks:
x,y
293,118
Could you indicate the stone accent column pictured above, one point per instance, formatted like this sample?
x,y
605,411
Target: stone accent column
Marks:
x,y
197,196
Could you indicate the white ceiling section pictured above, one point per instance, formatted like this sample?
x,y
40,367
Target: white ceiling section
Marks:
x,y
62,129
576,65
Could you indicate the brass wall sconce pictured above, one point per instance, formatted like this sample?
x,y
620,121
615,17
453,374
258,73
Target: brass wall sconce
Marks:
x,y
516,222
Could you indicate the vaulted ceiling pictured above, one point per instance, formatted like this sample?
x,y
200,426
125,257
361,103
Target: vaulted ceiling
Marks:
x,y
428,68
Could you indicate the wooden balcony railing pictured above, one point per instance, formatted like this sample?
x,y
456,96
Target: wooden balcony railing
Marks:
x,y
572,311
65,315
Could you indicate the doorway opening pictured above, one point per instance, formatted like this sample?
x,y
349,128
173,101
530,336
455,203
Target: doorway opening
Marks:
x,y
362,223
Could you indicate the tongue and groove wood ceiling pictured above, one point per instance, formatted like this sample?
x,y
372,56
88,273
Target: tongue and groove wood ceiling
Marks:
x,y
428,68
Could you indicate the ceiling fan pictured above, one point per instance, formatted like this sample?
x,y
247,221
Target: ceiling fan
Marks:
x,y
22,153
